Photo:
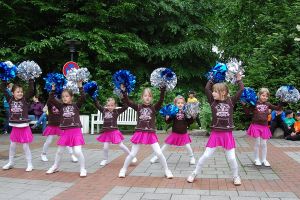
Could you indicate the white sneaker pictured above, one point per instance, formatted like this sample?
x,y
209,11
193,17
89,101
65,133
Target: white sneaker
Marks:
x,y
52,170
44,157
103,162
29,168
122,173
168,174
266,163
74,158
8,166
191,177
192,161
134,160
153,159
83,173
257,162
237,181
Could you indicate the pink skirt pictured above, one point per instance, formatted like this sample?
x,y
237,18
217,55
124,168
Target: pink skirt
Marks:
x,y
141,137
113,136
178,139
52,130
71,137
257,130
21,135
221,138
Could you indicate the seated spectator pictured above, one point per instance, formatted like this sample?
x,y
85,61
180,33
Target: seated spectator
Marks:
x,y
36,108
269,118
295,135
42,120
289,121
277,121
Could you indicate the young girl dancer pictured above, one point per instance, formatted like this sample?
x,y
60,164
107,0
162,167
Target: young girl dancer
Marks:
x,y
145,129
18,119
70,124
110,132
259,128
179,135
222,126
52,130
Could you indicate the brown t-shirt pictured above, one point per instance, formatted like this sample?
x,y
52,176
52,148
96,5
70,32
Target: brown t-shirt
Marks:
x,y
69,113
260,112
145,113
180,122
53,115
110,117
18,109
222,111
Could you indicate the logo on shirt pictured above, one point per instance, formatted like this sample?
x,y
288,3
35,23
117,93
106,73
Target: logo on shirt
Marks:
x,y
261,107
16,107
68,112
222,110
145,114
108,115
180,115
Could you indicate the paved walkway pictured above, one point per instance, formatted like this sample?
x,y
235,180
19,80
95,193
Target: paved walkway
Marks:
x,y
146,181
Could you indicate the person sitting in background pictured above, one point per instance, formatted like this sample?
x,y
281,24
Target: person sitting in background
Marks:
x,y
269,118
193,99
289,121
42,120
295,135
36,108
277,121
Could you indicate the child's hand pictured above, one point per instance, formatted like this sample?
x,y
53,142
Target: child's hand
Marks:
x,y
122,87
239,76
53,86
293,134
79,84
167,117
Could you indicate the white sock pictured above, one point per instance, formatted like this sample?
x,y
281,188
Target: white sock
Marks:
x,y
189,149
134,149
264,150
12,152
160,155
207,154
230,154
124,148
58,156
80,156
47,143
27,153
105,150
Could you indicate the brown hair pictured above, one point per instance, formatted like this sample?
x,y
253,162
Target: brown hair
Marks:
x,y
16,86
111,99
221,87
68,91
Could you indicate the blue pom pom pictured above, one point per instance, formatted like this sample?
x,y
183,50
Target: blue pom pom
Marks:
x,y
126,78
217,73
91,88
7,71
58,79
249,96
170,110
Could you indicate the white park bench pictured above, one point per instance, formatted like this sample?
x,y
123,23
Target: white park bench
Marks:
x,y
128,117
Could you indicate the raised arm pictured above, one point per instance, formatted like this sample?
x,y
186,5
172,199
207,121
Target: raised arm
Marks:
x,y
273,107
98,105
208,91
82,98
4,90
158,104
128,102
30,92
238,94
52,100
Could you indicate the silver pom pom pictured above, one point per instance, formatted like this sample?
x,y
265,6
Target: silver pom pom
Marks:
x,y
192,110
163,77
234,67
29,70
76,75
118,92
72,75
288,94
71,85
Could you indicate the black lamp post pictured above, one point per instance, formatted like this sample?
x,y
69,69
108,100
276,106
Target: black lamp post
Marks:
x,y
72,47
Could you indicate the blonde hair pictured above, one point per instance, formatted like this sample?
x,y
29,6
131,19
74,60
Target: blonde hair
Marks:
x,y
177,98
221,87
110,99
263,90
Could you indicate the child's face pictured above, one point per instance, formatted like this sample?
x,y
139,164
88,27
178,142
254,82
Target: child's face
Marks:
x,y
35,99
290,115
66,98
111,105
218,95
263,97
191,95
180,103
18,93
298,117
147,98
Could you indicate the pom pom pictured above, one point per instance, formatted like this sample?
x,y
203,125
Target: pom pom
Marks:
x,y
217,73
249,96
234,67
124,77
7,70
81,74
192,110
288,93
92,89
163,77
118,92
57,79
170,110
29,70
71,85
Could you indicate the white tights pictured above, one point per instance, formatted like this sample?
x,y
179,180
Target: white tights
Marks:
x,y
135,148
106,148
12,152
187,146
49,141
230,154
263,143
78,154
